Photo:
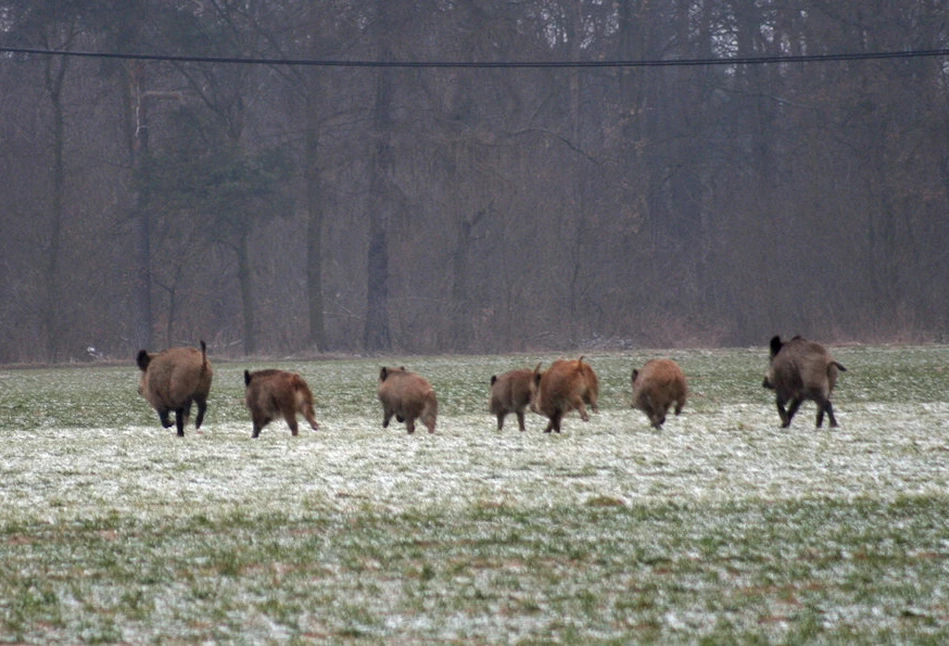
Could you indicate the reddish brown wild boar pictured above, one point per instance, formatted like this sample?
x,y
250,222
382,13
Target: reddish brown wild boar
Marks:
x,y
174,378
271,393
408,396
800,370
657,386
511,393
567,385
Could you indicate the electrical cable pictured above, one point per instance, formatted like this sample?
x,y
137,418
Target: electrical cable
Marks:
x,y
745,60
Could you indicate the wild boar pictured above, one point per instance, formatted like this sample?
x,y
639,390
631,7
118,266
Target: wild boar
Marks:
x,y
799,370
270,393
174,378
657,386
567,385
408,396
511,393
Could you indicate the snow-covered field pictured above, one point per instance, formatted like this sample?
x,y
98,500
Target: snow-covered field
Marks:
x,y
721,525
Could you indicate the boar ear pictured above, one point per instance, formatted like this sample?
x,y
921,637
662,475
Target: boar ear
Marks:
x,y
143,360
246,378
635,374
383,374
775,345
493,379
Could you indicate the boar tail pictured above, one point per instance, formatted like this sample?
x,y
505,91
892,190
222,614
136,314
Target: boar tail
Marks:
x,y
840,366
204,357
775,345
246,378
143,360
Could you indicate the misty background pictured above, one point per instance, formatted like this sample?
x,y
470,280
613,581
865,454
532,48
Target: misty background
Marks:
x,y
275,209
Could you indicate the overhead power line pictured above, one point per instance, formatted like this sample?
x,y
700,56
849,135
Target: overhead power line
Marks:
x,y
306,62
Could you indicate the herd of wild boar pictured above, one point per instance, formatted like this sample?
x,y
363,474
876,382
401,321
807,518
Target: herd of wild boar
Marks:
x,y
174,379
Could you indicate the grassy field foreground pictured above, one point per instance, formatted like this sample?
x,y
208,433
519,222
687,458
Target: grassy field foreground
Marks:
x,y
720,527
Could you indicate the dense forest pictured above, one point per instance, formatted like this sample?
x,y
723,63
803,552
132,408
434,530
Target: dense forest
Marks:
x,y
314,176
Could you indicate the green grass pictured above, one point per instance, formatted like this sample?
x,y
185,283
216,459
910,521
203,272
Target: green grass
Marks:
x,y
720,528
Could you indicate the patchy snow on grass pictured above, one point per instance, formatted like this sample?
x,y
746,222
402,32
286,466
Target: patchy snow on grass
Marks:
x,y
719,524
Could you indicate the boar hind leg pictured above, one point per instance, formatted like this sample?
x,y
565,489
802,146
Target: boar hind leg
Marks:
x,y
788,415
202,409
658,418
501,417
311,418
520,419
785,420
554,423
410,425
823,406
581,408
165,420
180,417
289,413
260,420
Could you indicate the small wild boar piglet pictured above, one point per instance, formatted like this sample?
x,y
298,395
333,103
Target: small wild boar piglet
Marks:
x,y
174,378
657,386
408,396
567,385
271,393
511,393
799,370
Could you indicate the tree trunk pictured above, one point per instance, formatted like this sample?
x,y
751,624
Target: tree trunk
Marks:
x,y
52,316
142,311
244,278
314,228
376,336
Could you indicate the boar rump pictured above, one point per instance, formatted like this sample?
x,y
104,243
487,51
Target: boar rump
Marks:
x,y
511,393
270,393
174,378
408,396
800,370
567,385
659,384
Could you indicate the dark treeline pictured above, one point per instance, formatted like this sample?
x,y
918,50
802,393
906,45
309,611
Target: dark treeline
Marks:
x,y
276,209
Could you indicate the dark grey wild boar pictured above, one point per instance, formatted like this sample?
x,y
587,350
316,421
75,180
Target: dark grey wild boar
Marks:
x,y
511,393
408,396
800,370
272,393
174,378
659,384
567,385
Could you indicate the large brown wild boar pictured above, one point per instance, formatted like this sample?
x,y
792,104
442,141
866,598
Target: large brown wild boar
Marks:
x,y
270,393
659,384
511,393
408,396
174,378
567,385
799,370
